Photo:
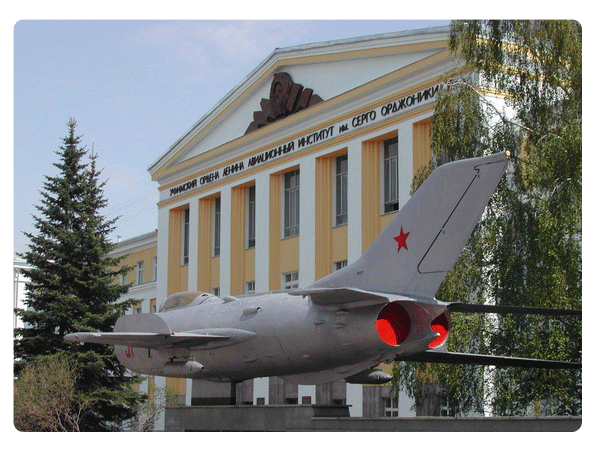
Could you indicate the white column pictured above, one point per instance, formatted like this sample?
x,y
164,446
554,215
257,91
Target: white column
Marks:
x,y
145,304
193,243
307,391
405,161
354,398
225,251
188,391
162,253
306,250
162,256
261,249
260,388
354,201
307,222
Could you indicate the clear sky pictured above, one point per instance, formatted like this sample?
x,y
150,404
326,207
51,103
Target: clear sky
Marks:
x,y
134,88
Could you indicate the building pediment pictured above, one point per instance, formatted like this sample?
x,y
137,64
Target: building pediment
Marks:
x,y
291,81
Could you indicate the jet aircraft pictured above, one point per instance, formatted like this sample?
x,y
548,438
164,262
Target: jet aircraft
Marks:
x,y
379,309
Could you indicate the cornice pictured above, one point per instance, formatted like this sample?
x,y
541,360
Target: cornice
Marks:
x,y
135,244
144,288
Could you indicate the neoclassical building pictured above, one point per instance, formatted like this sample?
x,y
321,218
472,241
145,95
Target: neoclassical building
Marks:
x,y
290,177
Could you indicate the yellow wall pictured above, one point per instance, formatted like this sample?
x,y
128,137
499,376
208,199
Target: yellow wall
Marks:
x,y
177,272
275,186
242,259
147,256
371,202
208,265
177,386
339,245
323,204
331,242
422,153
238,217
373,221
249,264
283,253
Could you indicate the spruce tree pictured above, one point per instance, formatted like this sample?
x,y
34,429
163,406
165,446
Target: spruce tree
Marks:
x,y
72,285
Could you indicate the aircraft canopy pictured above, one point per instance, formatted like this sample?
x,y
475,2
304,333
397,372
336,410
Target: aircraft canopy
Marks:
x,y
183,299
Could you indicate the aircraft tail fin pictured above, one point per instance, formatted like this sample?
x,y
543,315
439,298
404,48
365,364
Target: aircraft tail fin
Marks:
x,y
414,252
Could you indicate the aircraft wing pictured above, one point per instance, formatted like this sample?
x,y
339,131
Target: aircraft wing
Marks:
x,y
331,296
436,356
486,360
147,339
151,331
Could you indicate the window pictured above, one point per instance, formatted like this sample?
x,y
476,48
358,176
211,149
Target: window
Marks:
x,y
137,309
340,265
217,227
153,306
140,272
390,175
123,279
341,190
216,291
291,204
290,280
251,217
391,407
186,237
445,409
250,287
154,268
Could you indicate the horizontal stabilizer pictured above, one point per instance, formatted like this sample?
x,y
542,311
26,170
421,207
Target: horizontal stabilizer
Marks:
x,y
486,360
499,309
145,339
331,296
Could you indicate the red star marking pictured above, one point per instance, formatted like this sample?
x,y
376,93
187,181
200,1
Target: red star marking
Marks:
x,y
401,239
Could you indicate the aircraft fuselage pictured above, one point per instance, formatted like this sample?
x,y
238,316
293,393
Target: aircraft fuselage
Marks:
x,y
280,334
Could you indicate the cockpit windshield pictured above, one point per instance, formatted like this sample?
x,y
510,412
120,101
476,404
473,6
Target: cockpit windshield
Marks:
x,y
183,299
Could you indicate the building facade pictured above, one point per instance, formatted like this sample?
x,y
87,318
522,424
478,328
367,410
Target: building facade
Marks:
x,y
290,177
19,289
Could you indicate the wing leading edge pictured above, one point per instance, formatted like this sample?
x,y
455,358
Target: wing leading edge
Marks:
x,y
151,331
146,339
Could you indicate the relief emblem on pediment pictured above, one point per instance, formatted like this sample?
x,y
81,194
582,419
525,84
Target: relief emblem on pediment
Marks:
x,y
285,98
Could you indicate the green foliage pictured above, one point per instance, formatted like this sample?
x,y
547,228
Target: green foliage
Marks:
x,y
45,396
72,285
520,91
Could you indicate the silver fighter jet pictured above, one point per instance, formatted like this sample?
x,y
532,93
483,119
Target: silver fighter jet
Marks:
x,y
378,309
